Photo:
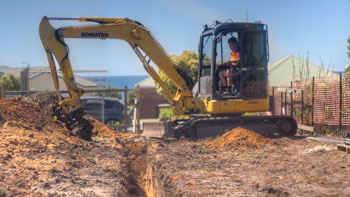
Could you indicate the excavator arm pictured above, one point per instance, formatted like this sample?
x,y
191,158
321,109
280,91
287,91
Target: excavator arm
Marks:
x,y
141,41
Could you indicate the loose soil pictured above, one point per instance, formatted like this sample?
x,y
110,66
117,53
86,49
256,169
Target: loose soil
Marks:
x,y
289,167
238,138
40,157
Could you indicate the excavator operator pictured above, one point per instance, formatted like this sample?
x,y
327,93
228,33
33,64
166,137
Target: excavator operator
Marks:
x,y
226,75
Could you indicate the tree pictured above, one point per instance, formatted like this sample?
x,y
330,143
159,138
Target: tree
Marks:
x,y
131,97
188,62
11,82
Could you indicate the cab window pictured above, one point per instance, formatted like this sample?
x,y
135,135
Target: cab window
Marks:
x,y
207,43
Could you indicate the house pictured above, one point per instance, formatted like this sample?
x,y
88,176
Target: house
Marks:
x,y
148,99
291,68
43,81
16,71
40,79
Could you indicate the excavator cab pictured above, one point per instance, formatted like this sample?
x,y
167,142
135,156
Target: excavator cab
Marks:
x,y
249,76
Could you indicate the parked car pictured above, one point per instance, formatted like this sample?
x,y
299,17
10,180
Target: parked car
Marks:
x,y
113,111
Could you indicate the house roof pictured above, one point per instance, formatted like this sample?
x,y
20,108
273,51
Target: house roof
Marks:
x,y
39,71
148,82
291,68
16,71
279,62
80,81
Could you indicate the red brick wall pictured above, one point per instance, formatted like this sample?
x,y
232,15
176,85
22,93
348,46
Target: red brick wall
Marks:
x,y
148,99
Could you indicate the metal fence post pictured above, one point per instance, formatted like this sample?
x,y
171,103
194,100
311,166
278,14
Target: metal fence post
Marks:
x,y
302,107
291,103
341,99
281,103
273,100
138,98
134,121
25,80
125,107
285,103
103,109
313,101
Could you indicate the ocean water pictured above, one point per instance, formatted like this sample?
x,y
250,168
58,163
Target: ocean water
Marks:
x,y
117,81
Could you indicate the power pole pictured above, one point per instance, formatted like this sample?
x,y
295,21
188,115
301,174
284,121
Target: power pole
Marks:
x,y
25,77
23,62
246,15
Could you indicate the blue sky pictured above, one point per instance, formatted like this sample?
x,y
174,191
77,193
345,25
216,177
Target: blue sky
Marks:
x,y
320,27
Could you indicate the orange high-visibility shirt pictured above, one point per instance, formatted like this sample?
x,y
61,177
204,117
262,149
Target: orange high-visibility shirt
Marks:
x,y
234,56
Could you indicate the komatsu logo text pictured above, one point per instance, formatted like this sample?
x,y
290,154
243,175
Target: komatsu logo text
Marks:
x,y
94,35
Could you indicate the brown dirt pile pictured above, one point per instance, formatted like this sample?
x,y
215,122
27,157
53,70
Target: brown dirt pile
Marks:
x,y
39,156
30,143
47,101
238,138
29,116
102,130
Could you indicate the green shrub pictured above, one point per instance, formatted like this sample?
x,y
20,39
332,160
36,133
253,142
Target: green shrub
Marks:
x,y
10,82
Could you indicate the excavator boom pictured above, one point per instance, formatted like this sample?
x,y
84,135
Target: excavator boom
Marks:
x,y
141,41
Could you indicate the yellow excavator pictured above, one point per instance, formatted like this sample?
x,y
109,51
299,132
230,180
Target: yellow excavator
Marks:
x,y
211,111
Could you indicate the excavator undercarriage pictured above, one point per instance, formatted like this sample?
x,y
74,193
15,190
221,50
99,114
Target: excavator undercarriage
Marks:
x,y
202,127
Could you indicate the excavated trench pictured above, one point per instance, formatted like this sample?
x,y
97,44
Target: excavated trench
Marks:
x,y
134,167
139,170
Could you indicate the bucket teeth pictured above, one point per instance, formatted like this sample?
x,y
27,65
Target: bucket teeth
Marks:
x,y
76,122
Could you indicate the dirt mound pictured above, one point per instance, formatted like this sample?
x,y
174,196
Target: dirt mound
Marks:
x,y
28,116
22,112
102,130
48,101
39,156
238,138
30,143
43,99
75,122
